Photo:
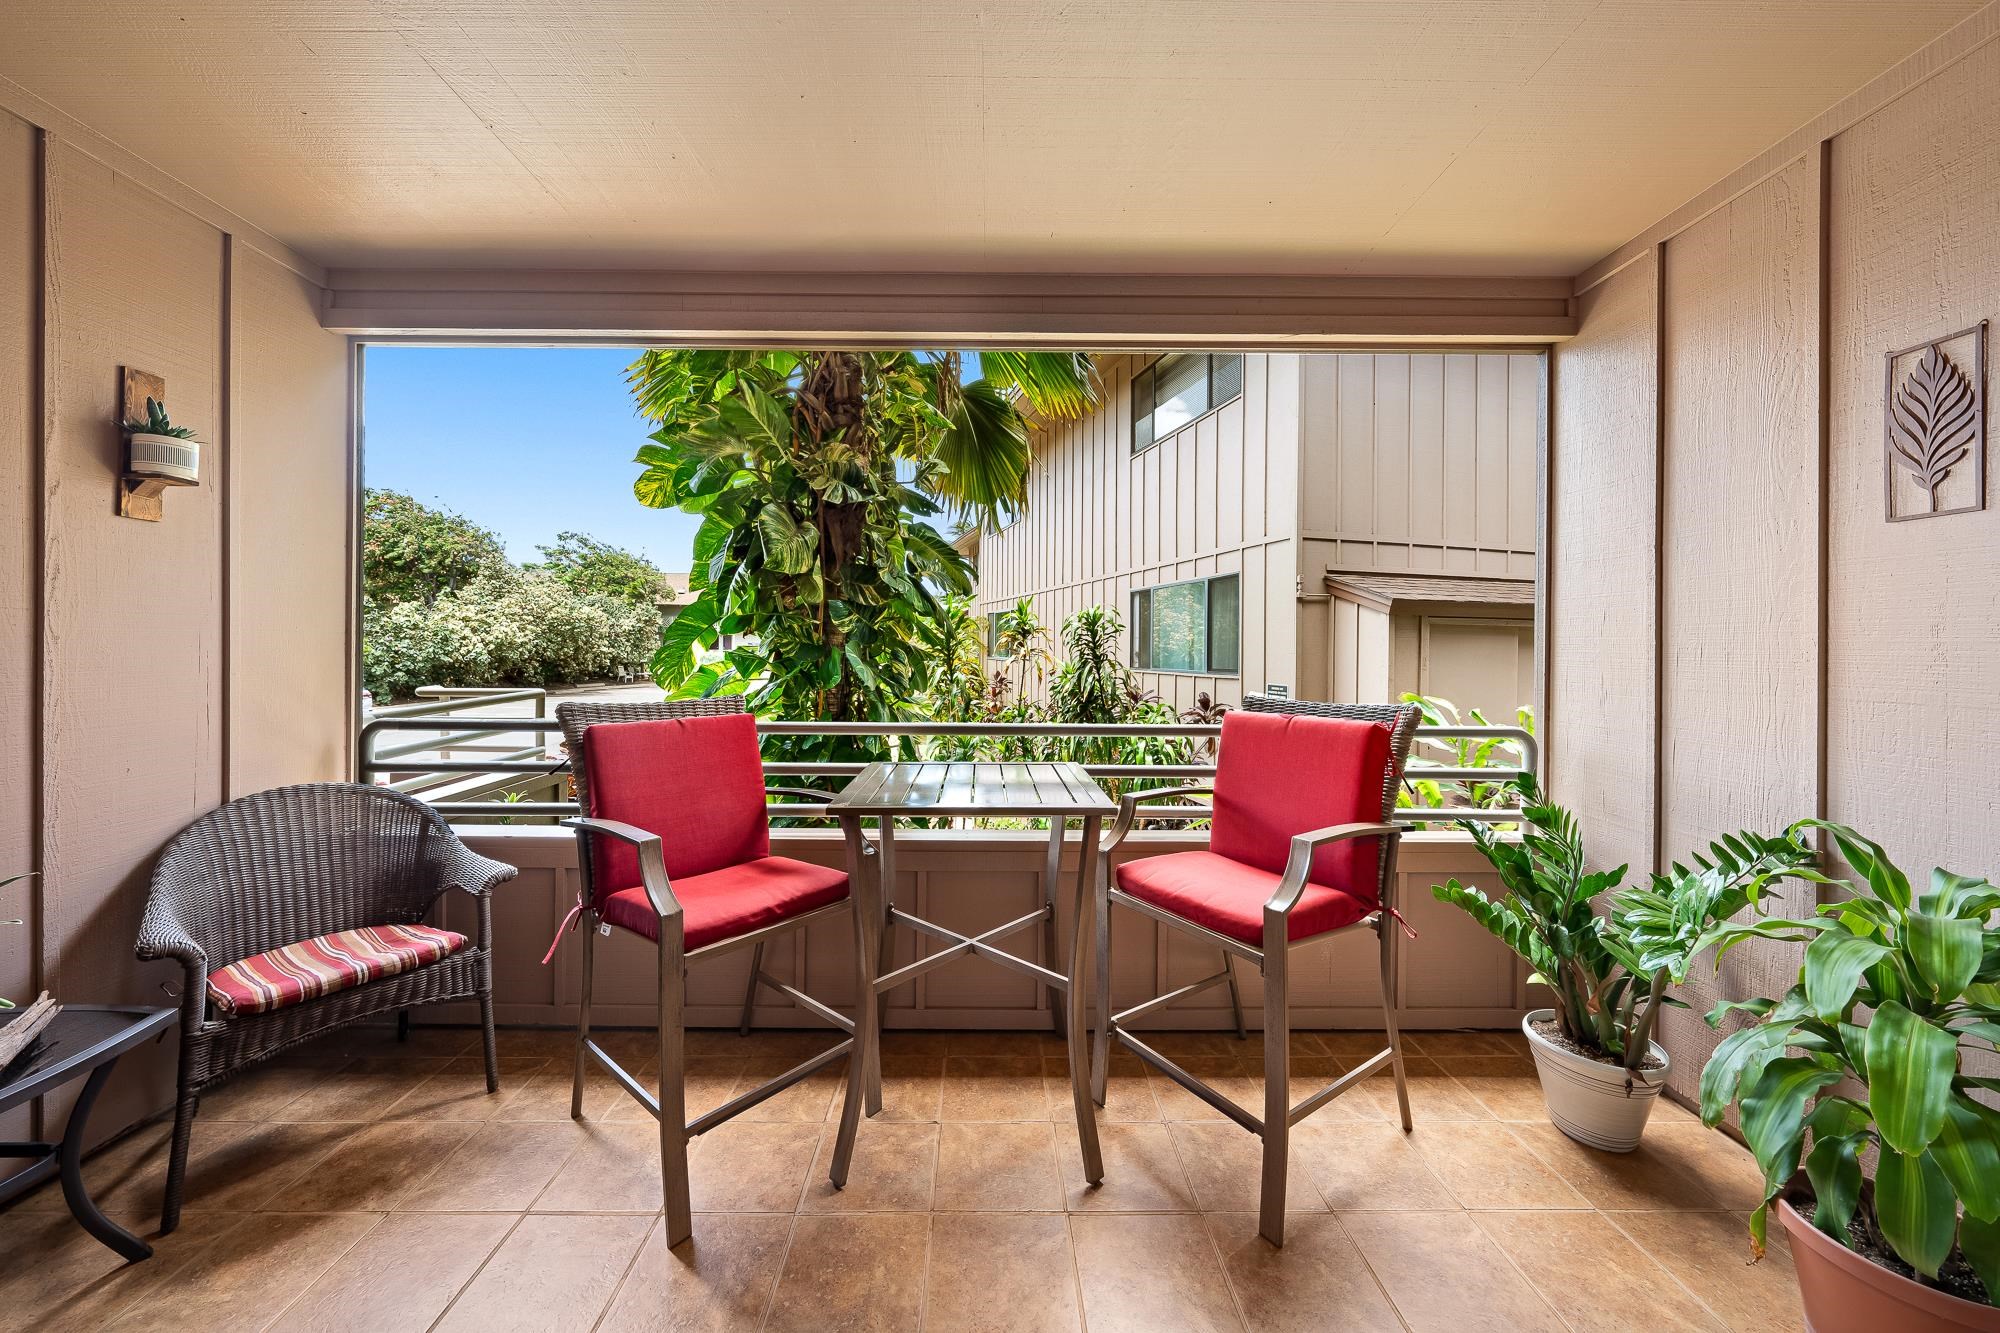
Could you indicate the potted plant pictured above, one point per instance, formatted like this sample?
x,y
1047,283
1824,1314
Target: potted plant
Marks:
x,y
1866,1053
1607,975
159,448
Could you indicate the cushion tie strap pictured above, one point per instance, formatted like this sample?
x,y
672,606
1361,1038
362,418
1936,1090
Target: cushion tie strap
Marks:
x,y
568,923
1408,929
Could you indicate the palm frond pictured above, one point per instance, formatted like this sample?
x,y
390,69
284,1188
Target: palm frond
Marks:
x,y
1057,384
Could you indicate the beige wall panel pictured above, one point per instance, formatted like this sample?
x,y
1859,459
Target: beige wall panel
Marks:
x,y
1913,615
135,651
290,694
20,539
1601,615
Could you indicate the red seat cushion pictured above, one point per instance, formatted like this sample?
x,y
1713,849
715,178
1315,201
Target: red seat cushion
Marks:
x,y
735,900
1279,775
325,964
1228,897
698,782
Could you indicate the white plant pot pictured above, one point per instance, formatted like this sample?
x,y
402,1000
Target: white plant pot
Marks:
x,y
1602,1105
166,456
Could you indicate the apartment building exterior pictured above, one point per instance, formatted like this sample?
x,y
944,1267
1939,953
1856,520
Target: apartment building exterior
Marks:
x,y
1344,526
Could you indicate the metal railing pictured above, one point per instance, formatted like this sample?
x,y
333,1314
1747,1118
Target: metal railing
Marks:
x,y
400,765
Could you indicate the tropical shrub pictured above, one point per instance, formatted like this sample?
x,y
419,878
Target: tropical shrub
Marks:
x,y
1867,1052
1420,792
1609,974
590,566
411,552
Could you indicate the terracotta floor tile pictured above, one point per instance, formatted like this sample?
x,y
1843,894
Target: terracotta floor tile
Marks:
x,y
1443,1273
1565,1255
379,1040
399,1277
1006,1087
912,1088
1001,1273
261,1092
232,1166
995,1045
1653,1176
246,1276
553,1274
1310,1073
1316,1282
1720,1164
458,1091
1239,1079
1355,1043
1225,1164
998,1168
1434,1094
614,1169
1367,1166
720,1281
1484,1166
1438,1044
1142,1171
1180,1047
897,1043
537,1043
783,1045
372,1167
807,1102
852,1272
59,1277
1710,1254
1504,1084
1150,1274
544,1095
1128,1091
500,1168
892,1171
751,1166
364,1091
119,1175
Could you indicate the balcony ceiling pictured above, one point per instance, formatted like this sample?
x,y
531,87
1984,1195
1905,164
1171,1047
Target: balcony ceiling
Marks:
x,y
1180,136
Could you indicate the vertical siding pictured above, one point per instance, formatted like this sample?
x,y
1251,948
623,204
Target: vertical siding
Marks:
x,y
1214,498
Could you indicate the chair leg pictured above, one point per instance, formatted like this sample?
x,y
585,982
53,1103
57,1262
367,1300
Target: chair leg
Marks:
x,y
750,989
1277,1092
177,1157
582,1059
1386,935
673,1090
402,1025
1100,1044
1235,995
490,1046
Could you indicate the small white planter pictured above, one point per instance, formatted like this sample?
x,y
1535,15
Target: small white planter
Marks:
x,y
165,456
1602,1105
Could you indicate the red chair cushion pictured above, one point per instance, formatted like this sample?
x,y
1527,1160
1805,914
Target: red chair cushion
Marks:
x,y
1279,775
735,900
698,782
1228,897
325,964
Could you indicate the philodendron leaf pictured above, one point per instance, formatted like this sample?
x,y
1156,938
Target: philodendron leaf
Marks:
x,y
1980,1242
1910,1064
788,544
1915,1208
1945,949
1834,964
1968,1152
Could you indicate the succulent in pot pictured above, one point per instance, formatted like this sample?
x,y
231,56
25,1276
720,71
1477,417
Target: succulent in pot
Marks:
x,y
1608,974
158,448
1867,1051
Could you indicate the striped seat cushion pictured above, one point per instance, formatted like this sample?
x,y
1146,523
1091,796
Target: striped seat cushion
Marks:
x,y
325,964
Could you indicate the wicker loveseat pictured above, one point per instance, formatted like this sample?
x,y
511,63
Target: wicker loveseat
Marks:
x,y
291,865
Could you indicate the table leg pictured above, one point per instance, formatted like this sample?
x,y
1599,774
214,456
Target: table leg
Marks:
x,y
867,1037
1082,936
1052,880
885,898
70,1154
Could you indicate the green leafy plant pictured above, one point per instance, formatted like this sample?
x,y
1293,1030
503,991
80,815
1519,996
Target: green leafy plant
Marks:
x,y
592,566
6,1003
1420,792
1609,973
1867,1051
156,423
1021,641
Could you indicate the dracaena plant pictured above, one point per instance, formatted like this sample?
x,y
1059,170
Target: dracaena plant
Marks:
x,y
1867,1050
1609,973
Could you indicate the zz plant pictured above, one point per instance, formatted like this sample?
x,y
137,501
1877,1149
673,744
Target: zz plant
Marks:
x,y
1867,1051
1609,974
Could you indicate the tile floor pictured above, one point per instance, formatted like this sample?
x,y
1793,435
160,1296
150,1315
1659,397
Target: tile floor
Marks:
x,y
364,1184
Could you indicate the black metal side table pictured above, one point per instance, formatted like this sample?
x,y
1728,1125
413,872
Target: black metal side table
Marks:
x,y
82,1039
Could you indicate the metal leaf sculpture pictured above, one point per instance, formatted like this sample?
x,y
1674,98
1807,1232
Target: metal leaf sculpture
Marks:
x,y
1932,421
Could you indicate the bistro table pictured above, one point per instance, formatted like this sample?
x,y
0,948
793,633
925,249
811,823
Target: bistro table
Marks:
x,y
82,1039
1057,792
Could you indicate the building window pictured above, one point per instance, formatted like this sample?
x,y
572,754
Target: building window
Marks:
x,y
1179,387
1191,627
993,635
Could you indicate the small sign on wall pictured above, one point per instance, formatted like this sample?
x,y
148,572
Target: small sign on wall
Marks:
x,y
1934,427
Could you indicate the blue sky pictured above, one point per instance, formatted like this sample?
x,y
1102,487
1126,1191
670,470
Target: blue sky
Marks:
x,y
526,441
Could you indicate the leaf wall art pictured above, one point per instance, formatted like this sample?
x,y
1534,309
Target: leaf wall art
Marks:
x,y
1934,429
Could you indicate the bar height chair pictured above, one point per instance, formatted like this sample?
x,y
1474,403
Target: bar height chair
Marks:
x,y
674,846
1301,848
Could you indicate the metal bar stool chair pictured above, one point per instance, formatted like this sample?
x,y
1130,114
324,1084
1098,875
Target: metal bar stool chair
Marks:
x,y
1300,848
675,847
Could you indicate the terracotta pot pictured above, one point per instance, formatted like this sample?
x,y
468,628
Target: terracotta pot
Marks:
x,y
1845,1293
1594,1103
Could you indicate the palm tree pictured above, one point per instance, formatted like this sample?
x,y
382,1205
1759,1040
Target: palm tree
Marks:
x,y
814,473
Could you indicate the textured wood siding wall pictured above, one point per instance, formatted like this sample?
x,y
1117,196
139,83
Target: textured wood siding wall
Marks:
x,y
1738,638
152,669
1421,462
1455,975
1216,497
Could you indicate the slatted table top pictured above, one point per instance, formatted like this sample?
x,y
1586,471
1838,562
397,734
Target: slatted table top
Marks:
x,y
970,790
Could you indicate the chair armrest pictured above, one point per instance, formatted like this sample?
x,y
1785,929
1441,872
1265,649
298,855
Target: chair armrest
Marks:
x,y
1299,864
1128,810
166,939
652,858
456,866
